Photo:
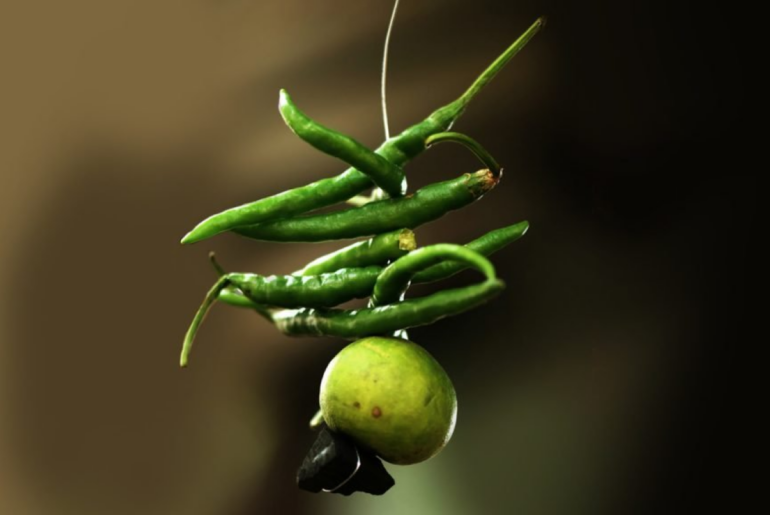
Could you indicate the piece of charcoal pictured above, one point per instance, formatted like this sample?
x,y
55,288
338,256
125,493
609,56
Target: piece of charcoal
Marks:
x,y
332,465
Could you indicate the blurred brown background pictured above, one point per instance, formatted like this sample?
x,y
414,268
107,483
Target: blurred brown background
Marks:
x,y
590,386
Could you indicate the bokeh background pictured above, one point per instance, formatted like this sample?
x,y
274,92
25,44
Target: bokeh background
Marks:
x,y
592,385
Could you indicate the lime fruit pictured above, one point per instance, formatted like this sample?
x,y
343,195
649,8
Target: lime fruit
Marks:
x,y
391,396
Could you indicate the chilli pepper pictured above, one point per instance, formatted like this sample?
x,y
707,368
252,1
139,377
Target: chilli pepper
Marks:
x,y
396,277
284,291
358,323
485,245
398,150
290,291
471,144
374,251
425,205
380,171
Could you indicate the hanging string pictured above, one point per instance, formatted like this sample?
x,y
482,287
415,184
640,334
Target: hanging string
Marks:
x,y
385,71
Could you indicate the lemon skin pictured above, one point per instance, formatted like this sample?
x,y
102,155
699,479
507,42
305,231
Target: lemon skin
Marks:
x,y
391,396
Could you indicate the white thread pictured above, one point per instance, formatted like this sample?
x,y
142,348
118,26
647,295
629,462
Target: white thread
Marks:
x,y
385,71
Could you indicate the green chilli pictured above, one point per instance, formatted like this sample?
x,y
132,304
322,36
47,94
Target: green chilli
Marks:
x,y
234,297
380,171
291,291
374,251
395,279
398,150
266,293
200,315
469,143
426,205
486,246
358,323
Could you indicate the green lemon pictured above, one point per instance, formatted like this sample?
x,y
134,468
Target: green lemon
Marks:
x,y
391,396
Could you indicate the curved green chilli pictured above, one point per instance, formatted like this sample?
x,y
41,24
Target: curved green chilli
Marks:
x,y
469,143
396,277
200,315
265,293
358,323
374,251
427,204
398,150
485,245
380,171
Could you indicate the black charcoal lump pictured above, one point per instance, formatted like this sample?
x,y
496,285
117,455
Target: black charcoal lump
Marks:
x,y
331,465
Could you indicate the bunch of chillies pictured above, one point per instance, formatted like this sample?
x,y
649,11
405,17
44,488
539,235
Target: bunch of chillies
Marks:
x,y
381,267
